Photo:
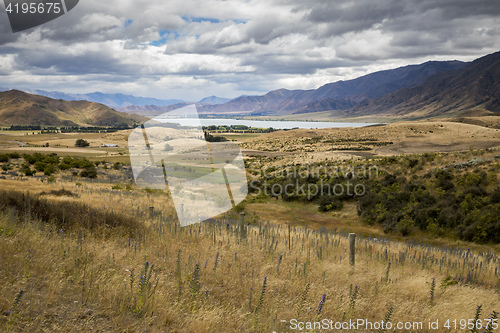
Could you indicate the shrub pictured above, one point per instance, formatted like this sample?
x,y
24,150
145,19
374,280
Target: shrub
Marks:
x,y
405,225
89,172
82,143
14,155
64,166
39,166
49,170
28,172
495,195
4,158
330,202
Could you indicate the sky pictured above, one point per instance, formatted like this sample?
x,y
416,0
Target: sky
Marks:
x,y
189,49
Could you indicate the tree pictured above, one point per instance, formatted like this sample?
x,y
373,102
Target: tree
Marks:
x,y
82,143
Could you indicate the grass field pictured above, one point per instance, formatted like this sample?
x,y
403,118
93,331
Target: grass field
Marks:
x,y
208,278
90,255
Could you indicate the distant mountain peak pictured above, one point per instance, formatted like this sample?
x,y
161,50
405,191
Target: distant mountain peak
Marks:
x,y
214,100
111,100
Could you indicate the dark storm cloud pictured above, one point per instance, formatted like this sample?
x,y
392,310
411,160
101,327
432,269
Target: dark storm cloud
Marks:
x,y
290,64
351,16
87,62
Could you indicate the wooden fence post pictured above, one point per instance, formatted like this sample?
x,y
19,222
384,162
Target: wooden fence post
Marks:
x,y
289,238
243,228
352,248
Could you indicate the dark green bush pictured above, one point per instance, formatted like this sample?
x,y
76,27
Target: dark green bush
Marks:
x,y
40,166
329,202
14,155
28,172
4,158
49,170
89,172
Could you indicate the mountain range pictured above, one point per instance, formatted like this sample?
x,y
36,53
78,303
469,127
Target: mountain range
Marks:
x,y
156,110
431,89
118,100
339,95
111,100
472,89
20,108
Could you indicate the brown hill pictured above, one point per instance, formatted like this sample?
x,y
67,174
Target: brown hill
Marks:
x,y
20,108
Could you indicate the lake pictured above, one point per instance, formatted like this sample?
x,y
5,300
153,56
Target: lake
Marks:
x,y
262,123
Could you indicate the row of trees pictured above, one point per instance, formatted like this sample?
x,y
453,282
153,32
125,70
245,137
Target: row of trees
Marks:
x,y
237,129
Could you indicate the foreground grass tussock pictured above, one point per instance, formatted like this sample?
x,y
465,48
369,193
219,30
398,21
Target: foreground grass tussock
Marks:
x,y
65,215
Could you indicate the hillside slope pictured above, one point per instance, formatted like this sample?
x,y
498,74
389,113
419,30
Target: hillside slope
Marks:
x,y
475,86
20,108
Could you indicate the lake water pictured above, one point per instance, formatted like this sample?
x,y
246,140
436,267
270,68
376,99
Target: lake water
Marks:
x,y
262,123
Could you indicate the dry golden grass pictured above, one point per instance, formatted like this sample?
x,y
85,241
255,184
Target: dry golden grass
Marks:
x,y
63,144
394,139
78,281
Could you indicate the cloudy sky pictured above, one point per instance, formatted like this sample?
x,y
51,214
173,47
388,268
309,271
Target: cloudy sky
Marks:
x,y
191,49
